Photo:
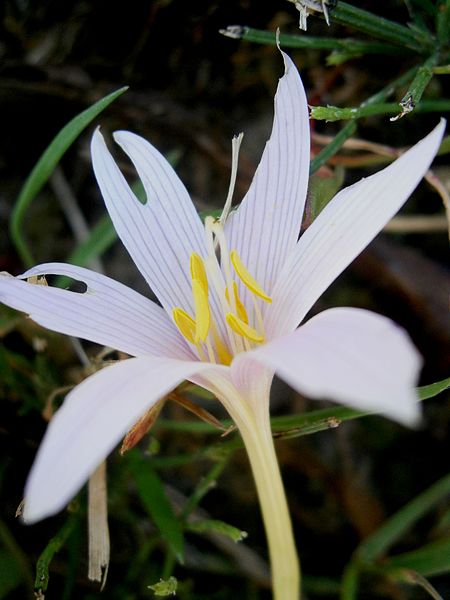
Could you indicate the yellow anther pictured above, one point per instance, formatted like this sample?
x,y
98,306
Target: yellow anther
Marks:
x,y
246,278
241,328
202,311
240,308
185,324
198,271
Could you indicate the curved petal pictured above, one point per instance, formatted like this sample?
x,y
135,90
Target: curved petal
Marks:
x,y
265,227
161,234
351,356
108,313
92,420
342,230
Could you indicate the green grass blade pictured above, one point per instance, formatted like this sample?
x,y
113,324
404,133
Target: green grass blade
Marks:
x,y
45,166
429,391
394,528
352,46
432,559
155,502
309,422
380,28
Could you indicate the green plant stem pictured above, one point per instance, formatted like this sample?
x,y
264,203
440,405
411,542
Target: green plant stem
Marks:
x,y
349,45
380,28
350,128
421,80
333,147
334,113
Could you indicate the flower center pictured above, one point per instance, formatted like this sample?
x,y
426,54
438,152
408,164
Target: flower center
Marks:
x,y
231,328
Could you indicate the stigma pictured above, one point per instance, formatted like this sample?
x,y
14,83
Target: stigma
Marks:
x,y
217,336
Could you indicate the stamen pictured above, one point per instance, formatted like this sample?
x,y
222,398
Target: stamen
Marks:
x,y
185,324
246,278
243,329
240,308
235,145
202,311
198,270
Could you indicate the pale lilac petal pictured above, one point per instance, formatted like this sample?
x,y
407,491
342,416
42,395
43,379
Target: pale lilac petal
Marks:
x,y
161,234
92,420
265,227
108,313
342,230
352,356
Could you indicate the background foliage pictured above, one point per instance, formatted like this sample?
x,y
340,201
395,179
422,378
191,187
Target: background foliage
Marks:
x,y
369,499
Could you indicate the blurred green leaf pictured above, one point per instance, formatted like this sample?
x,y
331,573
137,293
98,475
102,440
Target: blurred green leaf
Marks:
x,y
155,502
432,559
10,573
396,526
216,526
321,190
45,166
101,237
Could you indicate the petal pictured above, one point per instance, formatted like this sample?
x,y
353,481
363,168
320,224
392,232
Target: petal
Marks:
x,y
92,420
342,230
352,356
265,227
108,313
161,234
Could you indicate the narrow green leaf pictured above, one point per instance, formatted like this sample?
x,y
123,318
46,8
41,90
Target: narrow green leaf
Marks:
x,y
45,166
101,237
429,391
350,583
45,559
206,484
216,526
432,559
348,45
155,502
321,190
309,422
395,527
381,28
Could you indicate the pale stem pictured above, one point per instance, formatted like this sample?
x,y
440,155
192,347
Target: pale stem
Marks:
x,y
257,436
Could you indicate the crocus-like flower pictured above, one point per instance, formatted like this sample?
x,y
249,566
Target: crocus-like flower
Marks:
x,y
232,292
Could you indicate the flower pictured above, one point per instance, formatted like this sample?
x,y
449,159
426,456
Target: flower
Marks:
x,y
227,324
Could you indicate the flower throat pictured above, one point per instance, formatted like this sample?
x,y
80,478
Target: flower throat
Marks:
x,y
202,330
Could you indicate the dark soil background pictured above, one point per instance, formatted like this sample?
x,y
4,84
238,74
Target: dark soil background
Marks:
x,y
191,90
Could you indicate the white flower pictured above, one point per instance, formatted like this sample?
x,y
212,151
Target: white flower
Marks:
x,y
227,326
